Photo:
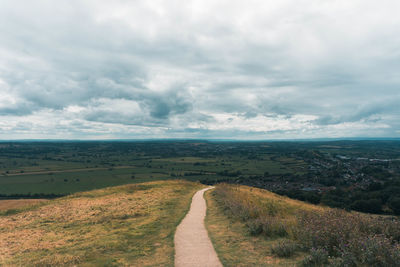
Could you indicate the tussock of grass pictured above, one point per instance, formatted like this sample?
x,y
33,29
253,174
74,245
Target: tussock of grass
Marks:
x,y
327,236
284,248
131,225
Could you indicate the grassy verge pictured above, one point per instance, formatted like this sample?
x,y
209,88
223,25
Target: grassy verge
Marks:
x,y
131,225
254,227
234,244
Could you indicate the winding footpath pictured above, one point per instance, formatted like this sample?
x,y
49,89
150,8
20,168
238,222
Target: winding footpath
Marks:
x,y
193,247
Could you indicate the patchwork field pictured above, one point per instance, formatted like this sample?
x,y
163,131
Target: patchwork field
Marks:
x,y
61,168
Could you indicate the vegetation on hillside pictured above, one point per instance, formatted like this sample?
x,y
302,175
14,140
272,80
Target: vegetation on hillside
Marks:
x,y
235,245
325,236
130,225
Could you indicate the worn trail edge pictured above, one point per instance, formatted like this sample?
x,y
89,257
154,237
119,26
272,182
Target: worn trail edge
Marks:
x,y
193,247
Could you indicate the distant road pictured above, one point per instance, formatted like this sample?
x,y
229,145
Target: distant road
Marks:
x,y
62,171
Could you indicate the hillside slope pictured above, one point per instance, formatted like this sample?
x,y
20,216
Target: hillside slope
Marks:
x,y
254,227
123,225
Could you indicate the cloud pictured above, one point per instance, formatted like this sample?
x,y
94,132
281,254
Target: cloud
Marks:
x,y
223,69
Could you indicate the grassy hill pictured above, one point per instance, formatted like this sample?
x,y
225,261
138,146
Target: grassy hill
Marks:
x,y
133,225
123,225
254,227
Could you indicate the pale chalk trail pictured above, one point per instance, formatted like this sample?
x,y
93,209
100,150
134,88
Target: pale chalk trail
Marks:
x,y
193,247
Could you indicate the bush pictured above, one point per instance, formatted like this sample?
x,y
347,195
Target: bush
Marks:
x,y
325,230
369,206
387,226
355,240
268,226
374,250
255,226
284,248
317,257
273,227
394,205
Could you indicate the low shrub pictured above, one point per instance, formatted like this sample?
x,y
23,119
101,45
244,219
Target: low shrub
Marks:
x,y
326,230
369,206
268,226
284,248
317,257
394,204
387,226
255,226
273,227
374,250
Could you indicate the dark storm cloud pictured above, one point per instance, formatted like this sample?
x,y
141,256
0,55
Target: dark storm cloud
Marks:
x,y
155,69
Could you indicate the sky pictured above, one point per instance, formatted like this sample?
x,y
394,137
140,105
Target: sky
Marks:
x,y
208,69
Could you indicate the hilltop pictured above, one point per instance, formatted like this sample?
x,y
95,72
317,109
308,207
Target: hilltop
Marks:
x,y
122,225
134,225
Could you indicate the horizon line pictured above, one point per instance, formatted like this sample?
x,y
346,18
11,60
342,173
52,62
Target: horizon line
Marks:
x,y
206,139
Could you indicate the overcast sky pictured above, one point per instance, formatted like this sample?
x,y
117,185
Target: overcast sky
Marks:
x,y
249,69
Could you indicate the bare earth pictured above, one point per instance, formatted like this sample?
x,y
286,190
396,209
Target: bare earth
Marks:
x,y
193,247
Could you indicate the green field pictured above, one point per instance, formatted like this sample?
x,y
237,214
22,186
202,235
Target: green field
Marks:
x,y
357,175
69,182
63,168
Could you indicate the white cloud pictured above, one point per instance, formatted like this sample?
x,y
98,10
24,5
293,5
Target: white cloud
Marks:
x,y
199,68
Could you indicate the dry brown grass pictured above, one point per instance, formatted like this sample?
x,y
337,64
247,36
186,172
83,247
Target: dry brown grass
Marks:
x,y
254,227
287,204
234,245
124,225
19,203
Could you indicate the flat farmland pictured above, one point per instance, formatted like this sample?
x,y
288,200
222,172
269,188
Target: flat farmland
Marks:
x,y
70,181
60,168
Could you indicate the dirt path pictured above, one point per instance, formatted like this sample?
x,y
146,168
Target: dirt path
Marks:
x,y
193,247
